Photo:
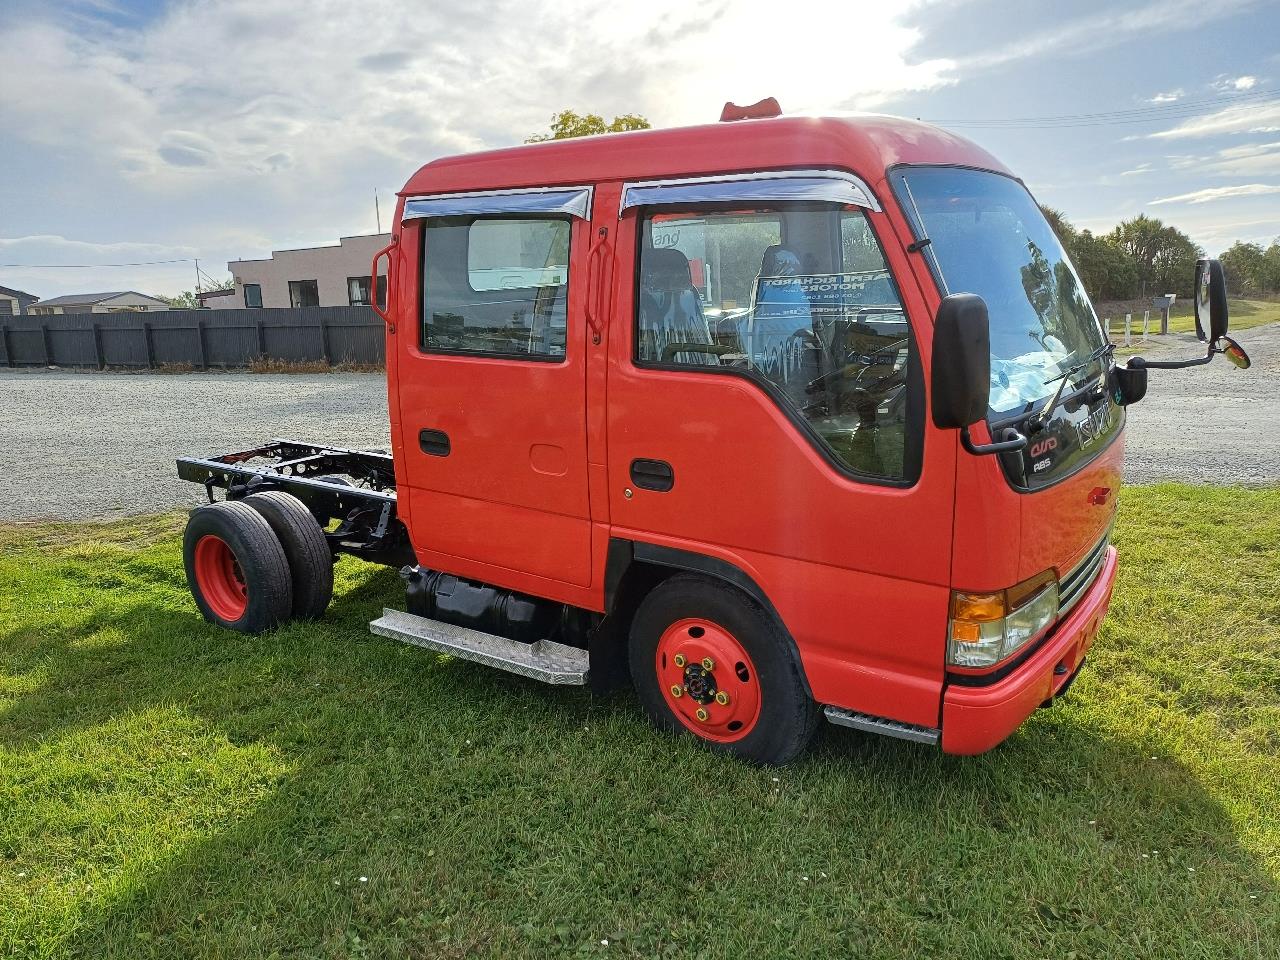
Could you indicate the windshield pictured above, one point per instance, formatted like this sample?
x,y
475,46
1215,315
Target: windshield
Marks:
x,y
988,236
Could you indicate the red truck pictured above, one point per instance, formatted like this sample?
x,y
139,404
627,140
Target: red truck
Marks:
x,y
776,419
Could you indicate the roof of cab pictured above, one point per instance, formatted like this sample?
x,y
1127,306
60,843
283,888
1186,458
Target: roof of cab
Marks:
x,y
865,145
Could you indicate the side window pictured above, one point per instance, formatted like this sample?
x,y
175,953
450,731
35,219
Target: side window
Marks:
x,y
496,286
253,295
797,297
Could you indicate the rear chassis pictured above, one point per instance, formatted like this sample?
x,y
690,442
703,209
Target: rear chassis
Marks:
x,y
355,487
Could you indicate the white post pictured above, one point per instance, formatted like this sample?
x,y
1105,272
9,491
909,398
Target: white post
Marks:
x,y
1128,326
1146,322
1107,323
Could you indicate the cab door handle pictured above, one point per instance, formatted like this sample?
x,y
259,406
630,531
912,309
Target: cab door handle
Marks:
x,y
653,475
434,442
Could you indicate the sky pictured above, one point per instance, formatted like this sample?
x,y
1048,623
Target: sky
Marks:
x,y
147,130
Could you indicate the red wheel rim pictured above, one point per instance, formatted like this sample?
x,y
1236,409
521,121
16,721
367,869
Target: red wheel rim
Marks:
x,y
220,578
708,680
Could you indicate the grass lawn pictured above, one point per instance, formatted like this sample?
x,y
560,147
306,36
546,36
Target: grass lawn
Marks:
x,y
168,789
1244,314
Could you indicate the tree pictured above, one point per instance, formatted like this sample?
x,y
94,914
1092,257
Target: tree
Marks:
x,y
1165,256
1062,227
1271,268
186,300
567,124
1245,266
1106,270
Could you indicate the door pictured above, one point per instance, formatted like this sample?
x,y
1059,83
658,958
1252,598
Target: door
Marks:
x,y
767,409
491,389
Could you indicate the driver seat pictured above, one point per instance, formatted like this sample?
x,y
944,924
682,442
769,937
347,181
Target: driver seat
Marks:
x,y
671,310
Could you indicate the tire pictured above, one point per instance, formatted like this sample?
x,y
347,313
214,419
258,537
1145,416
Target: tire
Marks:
x,y
236,568
753,699
305,546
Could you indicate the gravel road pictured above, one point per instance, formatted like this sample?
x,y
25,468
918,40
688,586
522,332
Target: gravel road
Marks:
x,y
78,445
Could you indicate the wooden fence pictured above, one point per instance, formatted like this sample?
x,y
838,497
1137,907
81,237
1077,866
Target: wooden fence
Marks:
x,y
195,338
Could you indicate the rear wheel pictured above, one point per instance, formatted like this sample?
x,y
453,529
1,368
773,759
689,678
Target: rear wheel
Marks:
x,y
236,568
310,559
709,660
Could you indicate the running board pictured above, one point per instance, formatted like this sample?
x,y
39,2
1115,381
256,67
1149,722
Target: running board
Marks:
x,y
543,660
883,726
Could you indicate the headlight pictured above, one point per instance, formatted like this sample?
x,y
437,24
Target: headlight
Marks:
x,y
989,627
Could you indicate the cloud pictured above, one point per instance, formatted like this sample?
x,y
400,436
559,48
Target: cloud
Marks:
x,y
1259,117
1139,169
1221,193
185,148
1169,97
1228,84
1107,29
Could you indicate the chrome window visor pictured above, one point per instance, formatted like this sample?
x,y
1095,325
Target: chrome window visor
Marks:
x,y
575,201
832,186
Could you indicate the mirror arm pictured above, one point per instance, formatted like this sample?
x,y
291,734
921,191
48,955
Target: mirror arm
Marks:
x,y
1013,440
1170,364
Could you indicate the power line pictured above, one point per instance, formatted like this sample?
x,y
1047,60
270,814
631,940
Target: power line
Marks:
x,y
1153,114
94,266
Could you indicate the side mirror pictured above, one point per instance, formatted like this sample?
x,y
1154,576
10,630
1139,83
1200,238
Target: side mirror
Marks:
x,y
961,361
1211,322
1211,301
961,370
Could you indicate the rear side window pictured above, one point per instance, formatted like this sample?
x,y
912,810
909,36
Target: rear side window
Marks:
x,y
800,299
496,286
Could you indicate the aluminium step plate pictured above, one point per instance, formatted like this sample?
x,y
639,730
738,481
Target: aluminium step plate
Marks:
x,y
544,660
883,726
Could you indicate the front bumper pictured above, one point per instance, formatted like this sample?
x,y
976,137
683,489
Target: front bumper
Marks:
x,y
975,719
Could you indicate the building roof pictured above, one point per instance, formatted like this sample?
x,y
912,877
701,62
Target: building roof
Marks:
x,y
20,295
206,294
866,146
381,238
72,299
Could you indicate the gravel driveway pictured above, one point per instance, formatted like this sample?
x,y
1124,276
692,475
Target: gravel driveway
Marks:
x,y
75,445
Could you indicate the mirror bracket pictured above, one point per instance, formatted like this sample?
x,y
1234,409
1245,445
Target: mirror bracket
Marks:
x,y
1013,440
1171,364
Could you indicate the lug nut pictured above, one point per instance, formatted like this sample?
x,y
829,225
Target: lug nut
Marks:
x,y
708,663
677,691
702,714
680,660
722,698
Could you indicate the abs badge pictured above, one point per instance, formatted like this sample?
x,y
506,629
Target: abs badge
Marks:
x,y
1041,454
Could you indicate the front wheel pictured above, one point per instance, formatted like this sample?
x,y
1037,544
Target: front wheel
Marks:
x,y
709,660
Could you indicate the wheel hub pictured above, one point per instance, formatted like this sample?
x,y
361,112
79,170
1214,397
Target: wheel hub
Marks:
x,y
708,680
700,683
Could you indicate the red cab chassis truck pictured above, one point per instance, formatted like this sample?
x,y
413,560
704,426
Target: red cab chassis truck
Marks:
x,y
778,419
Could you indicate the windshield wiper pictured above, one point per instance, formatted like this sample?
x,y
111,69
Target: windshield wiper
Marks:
x,y
1039,420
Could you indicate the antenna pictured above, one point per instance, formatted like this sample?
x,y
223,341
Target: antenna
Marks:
x,y
377,212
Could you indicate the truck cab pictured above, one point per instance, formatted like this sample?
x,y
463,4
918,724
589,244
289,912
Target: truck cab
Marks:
x,y
781,419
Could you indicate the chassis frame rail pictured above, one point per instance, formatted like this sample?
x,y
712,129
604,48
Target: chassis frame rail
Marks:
x,y
314,473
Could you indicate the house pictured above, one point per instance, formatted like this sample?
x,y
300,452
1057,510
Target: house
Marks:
x,y
336,275
219,299
14,303
120,301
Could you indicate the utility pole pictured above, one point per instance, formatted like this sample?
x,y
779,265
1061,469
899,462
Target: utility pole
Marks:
x,y
377,212
197,278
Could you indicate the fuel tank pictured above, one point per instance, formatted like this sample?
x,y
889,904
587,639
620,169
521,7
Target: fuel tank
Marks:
x,y
489,609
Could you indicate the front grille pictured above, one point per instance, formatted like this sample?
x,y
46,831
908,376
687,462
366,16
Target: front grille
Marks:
x,y
1077,583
